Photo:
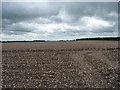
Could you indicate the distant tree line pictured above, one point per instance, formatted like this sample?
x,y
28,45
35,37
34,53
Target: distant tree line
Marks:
x,y
102,38
105,38
38,40
23,41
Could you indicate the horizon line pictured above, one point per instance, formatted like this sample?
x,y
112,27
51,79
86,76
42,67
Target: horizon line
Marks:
x,y
43,40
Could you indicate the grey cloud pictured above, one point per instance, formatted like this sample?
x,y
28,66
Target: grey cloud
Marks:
x,y
16,29
100,9
39,16
16,32
21,11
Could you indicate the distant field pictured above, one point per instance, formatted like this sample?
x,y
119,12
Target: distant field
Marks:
x,y
59,45
73,64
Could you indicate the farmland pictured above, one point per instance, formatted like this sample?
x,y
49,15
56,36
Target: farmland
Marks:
x,y
74,64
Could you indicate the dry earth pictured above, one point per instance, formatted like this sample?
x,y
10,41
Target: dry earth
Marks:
x,y
75,64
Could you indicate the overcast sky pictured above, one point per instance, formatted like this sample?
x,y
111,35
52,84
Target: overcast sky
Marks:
x,y
56,21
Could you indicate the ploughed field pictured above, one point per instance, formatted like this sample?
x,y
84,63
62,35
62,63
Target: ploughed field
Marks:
x,y
75,64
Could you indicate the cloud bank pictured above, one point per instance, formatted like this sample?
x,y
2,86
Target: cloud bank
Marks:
x,y
57,20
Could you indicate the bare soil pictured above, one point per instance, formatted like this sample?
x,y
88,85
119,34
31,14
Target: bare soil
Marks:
x,y
75,64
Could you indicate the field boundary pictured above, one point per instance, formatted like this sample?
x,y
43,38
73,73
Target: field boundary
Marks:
x,y
49,50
